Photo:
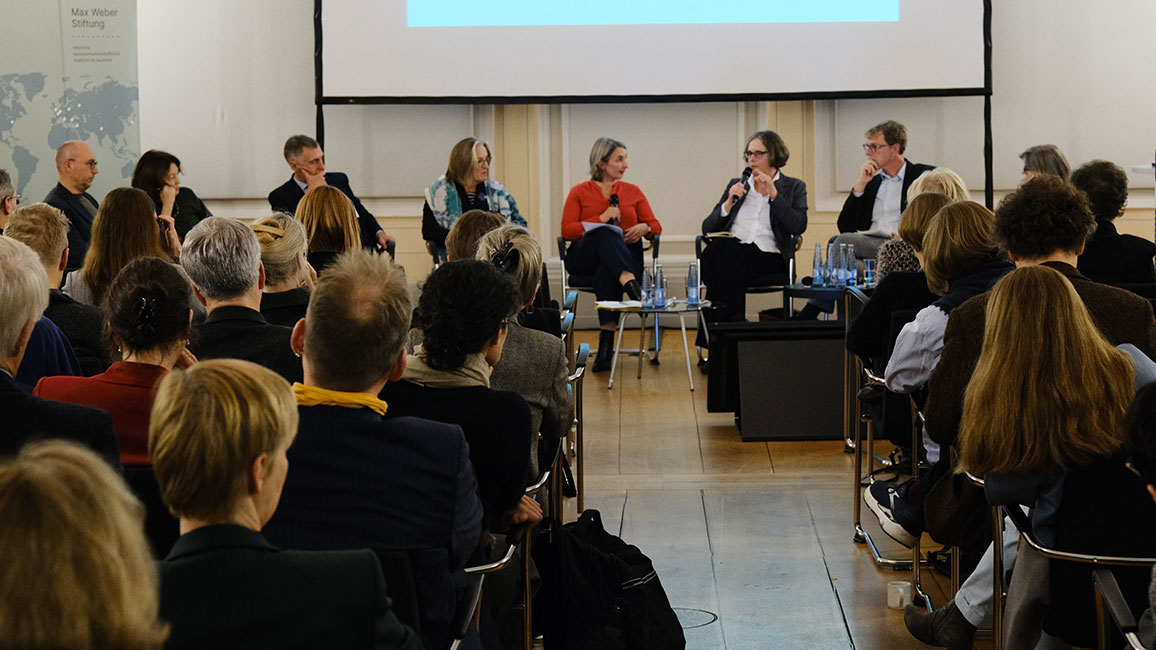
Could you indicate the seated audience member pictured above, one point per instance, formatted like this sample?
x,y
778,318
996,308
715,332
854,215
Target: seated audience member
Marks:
x,y
462,241
158,174
45,230
219,436
27,417
307,161
77,571
76,167
330,225
1109,256
1045,159
463,313
126,227
48,354
1140,425
223,259
1048,397
896,254
148,322
465,186
361,479
869,335
288,276
533,363
9,199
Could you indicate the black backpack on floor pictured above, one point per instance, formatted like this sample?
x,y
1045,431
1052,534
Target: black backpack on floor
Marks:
x,y
598,592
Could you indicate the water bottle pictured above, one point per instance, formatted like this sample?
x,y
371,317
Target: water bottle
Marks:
x,y
659,287
647,287
841,269
692,284
817,267
852,269
829,267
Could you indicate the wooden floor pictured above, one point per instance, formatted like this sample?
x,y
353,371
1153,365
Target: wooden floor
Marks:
x,y
757,534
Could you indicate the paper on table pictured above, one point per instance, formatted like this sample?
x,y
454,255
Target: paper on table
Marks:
x,y
721,233
587,226
618,304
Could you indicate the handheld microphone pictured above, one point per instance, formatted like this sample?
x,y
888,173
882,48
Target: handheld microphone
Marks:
x,y
613,204
746,176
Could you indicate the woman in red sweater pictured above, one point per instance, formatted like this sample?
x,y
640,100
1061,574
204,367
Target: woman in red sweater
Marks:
x,y
612,255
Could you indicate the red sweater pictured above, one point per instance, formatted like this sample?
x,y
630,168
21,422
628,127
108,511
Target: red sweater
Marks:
x,y
125,390
586,203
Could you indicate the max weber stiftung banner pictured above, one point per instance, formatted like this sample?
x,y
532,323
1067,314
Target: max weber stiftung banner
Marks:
x,y
69,72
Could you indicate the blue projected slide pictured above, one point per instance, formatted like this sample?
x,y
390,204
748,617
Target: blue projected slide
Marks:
x,y
518,13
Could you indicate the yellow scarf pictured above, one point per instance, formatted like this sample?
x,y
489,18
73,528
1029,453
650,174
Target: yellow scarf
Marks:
x,y
317,396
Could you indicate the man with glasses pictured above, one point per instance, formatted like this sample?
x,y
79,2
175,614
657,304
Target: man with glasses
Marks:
x,y
76,165
9,199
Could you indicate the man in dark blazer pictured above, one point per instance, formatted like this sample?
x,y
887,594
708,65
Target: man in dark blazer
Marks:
x,y
307,161
223,259
1109,256
27,417
364,480
76,167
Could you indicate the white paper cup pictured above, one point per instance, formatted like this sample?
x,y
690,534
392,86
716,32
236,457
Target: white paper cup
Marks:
x,y
898,594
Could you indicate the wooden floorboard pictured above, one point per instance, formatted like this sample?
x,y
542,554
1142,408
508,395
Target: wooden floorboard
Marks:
x,y
755,533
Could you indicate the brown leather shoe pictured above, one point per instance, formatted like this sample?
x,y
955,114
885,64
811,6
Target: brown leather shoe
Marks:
x,y
944,628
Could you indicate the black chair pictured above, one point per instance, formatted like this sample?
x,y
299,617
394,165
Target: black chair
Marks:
x,y
767,282
1110,602
398,574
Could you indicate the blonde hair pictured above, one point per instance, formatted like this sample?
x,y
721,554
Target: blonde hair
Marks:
x,y
942,181
330,220
920,210
957,238
525,268
461,166
1049,392
77,568
209,423
467,231
283,248
43,228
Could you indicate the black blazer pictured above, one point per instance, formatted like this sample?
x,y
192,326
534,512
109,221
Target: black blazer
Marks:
x,y
80,233
285,307
224,586
857,210
242,333
27,417
788,213
285,199
1112,258
82,325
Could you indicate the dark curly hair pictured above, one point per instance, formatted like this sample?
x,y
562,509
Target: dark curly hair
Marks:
x,y
1106,186
464,304
147,306
1043,216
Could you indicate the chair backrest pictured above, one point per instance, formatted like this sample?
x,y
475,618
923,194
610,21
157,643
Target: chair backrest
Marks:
x,y
399,582
161,528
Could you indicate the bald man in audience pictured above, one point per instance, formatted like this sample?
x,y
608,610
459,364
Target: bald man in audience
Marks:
x,y
223,259
76,166
9,199
44,229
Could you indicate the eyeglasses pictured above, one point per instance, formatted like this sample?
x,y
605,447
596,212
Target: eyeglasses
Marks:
x,y
91,163
871,147
485,161
754,154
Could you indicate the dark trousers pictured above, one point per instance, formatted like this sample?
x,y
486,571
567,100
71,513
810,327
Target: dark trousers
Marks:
x,y
728,266
603,254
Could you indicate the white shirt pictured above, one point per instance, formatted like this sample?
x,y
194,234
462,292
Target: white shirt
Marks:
x,y
888,203
752,224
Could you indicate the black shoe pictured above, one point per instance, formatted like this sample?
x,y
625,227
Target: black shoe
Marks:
x,y
605,351
901,521
633,290
704,366
808,312
945,627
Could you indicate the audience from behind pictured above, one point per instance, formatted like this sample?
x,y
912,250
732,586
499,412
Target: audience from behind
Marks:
x,y
464,314
223,259
330,225
897,254
78,573
940,180
465,186
125,228
219,436
462,241
899,288
365,479
1046,402
148,321
158,174
76,168
1045,159
1140,444
763,225
45,230
288,276
27,417
902,253
1109,256
533,363
9,199
613,257
307,162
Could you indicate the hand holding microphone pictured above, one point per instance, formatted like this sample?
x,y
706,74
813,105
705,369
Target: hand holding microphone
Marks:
x,y
612,213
